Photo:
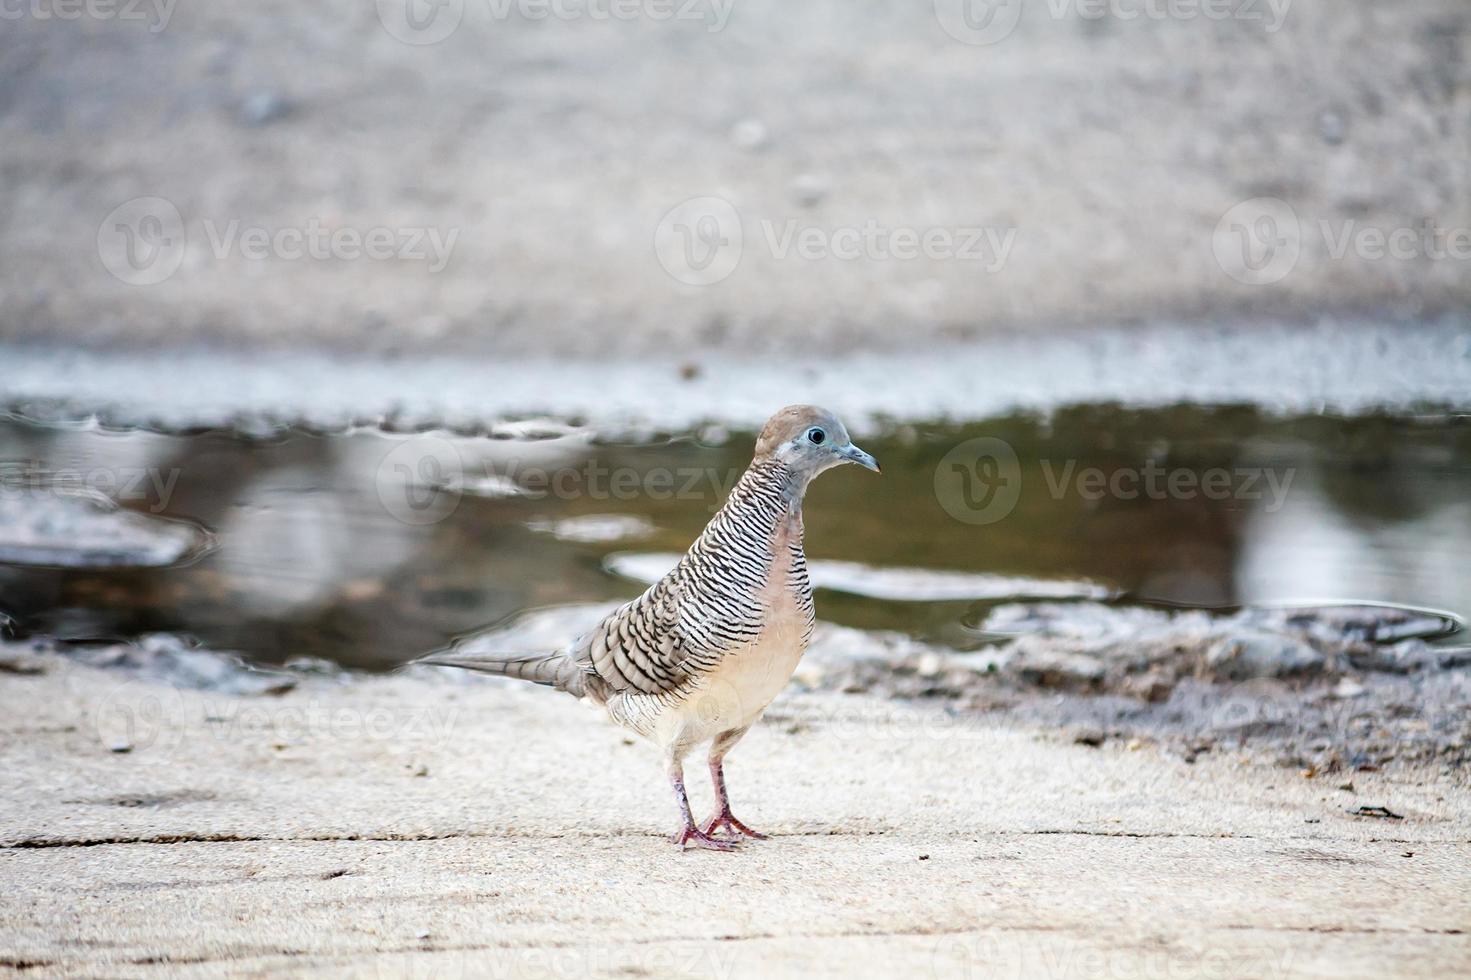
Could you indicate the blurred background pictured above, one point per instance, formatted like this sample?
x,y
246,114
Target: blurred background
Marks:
x,y
298,303
520,160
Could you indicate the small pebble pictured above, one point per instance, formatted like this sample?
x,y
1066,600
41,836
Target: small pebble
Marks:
x,y
1090,737
808,190
750,134
21,664
260,108
1333,128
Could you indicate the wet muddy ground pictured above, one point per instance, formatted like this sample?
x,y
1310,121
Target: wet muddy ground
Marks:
x,y
1208,577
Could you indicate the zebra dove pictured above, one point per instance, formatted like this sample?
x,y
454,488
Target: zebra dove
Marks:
x,y
704,650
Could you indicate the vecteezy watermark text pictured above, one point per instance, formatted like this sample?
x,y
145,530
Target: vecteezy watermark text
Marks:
x,y
1008,955
131,484
1271,14
154,13
989,246
700,241
151,715
980,482
714,14
1261,241
422,478
1155,482
313,241
424,22
230,720
144,241
598,481
985,22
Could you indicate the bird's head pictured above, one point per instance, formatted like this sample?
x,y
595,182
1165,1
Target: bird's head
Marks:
x,y
808,440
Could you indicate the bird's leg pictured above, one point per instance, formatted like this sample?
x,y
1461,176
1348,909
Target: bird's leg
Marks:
x,y
722,817
689,833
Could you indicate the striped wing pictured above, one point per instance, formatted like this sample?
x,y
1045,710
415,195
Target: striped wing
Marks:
x,y
681,627
639,648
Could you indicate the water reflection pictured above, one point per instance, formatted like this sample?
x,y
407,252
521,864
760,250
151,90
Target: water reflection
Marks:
x,y
1317,545
370,549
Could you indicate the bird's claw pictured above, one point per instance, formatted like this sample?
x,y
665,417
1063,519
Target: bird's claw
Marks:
x,y
727,820
692,836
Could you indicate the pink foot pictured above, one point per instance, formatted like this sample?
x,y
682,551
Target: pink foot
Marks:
x,y
690,835
728,820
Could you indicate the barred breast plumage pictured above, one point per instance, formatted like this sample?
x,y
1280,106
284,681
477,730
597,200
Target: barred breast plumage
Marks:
x,y
695,642
703,651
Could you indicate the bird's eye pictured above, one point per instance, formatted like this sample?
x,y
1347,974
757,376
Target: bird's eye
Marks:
x,y
816,436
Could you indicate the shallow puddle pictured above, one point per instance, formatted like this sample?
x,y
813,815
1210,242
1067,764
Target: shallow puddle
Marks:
x,y
369,548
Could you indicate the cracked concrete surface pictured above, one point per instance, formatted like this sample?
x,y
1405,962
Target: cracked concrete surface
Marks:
x,y
418,826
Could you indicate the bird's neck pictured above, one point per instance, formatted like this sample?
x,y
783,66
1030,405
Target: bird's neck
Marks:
x,y
765,502
769,485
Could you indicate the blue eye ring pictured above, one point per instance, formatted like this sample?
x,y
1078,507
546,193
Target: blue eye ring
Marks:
x,y
816,436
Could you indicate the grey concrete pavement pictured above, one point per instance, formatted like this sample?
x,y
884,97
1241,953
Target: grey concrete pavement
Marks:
x,y
417,826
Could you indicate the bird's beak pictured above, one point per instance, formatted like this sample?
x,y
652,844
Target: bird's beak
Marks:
x,y
853,454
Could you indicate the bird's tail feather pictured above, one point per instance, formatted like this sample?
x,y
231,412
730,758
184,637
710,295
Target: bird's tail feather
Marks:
x,y
551,669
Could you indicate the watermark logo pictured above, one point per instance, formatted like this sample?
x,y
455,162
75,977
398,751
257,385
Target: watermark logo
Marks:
x,y
699,241
873,724
1271,14
130,484
421,480
719,704
154,717
1243,710
985,22
154,13
418,480
871,240
994,954
672,958
1261,241
979,481
714,14
1258,242
142,241
979,22
240,720
1426,241
420,22
425,22
138,715
312,240
1153,481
